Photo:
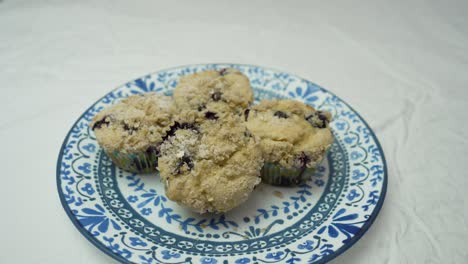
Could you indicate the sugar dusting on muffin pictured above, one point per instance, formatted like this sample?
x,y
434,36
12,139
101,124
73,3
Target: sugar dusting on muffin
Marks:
x,y
227,88
131,130
134,123
213,169
290,130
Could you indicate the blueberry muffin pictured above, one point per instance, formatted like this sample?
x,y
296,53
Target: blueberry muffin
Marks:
x,y
227,88
131,131
209,162
293,136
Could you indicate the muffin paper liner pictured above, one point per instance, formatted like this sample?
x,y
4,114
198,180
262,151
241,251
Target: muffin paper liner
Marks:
x,y
137,162
275,174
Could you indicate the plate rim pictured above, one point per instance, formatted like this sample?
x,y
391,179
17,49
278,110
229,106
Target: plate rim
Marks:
x,y
326,259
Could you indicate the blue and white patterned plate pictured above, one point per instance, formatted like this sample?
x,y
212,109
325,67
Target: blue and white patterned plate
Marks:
x,y
128,216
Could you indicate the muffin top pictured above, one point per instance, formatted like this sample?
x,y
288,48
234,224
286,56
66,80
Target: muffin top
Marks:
x,y
135,123
228,88
209,164
292,134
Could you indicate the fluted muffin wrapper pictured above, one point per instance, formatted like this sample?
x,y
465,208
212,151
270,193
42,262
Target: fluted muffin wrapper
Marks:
x,y
276,174
137,162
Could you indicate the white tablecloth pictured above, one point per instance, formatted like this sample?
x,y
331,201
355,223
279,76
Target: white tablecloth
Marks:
x,y
402,64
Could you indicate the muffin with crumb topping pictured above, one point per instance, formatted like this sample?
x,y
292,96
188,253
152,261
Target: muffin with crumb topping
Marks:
x,y
210,162
229,89
131,131
294,138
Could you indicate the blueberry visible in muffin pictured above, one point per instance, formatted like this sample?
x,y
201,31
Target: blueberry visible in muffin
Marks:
x,y
213,169
293,136
228,87
131,129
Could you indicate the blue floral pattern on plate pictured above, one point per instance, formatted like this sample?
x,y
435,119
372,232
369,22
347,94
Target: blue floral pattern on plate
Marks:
x,y
129,218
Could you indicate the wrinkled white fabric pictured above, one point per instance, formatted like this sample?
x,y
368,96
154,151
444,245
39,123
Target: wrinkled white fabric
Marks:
x,y
403,65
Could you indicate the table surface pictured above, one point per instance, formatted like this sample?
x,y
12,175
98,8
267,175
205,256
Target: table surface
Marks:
x,y
402,64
